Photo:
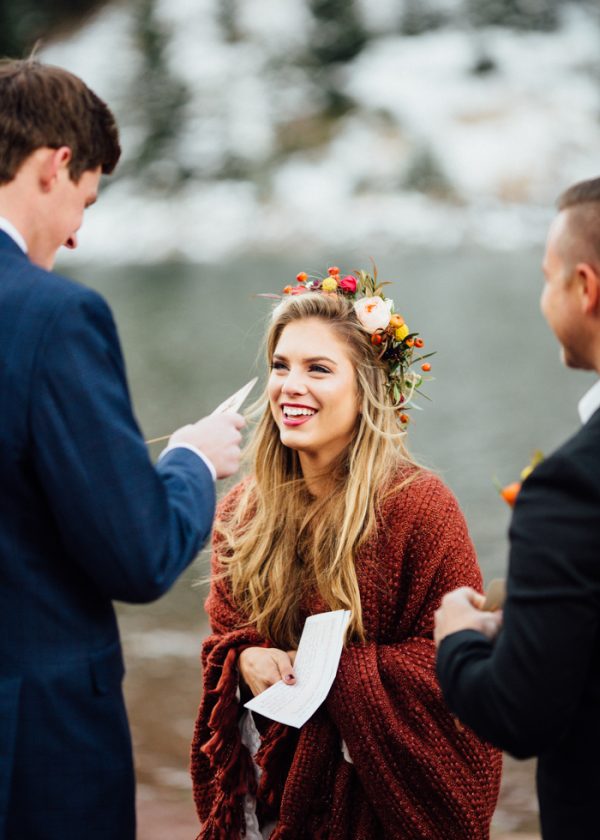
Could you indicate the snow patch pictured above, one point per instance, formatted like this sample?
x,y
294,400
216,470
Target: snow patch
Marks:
x,y
502,145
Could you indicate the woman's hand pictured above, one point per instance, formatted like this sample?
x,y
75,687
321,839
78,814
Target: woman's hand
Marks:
x,y
262,667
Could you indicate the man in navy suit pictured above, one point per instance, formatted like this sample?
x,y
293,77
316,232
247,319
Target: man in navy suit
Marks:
x,y
534,687
84,516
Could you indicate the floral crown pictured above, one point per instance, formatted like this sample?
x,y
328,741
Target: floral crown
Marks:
x,y
392,341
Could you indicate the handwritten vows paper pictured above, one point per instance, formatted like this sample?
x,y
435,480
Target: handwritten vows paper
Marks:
x,y
315,668
235,401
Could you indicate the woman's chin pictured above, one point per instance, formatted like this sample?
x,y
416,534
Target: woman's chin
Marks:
x,y
292,438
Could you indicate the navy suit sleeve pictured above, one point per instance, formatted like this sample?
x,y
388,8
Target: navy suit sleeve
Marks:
x,y
131,526
522,692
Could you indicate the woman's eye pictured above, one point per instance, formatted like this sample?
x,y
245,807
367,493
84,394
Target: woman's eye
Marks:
x,y
277,366
319,369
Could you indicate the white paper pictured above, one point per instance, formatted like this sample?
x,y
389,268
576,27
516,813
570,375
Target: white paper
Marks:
x,y
315,667
235,401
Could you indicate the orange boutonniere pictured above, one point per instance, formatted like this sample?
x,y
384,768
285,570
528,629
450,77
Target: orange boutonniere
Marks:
x,y
510,492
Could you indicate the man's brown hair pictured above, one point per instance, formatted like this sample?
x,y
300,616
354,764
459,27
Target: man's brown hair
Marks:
x,y
582,242
45,106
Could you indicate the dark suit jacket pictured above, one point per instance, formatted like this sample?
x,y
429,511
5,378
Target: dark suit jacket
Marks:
x,y
536,691
84,518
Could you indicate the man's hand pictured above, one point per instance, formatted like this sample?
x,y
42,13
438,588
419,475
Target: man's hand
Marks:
x,y
216,436
462,610
261,668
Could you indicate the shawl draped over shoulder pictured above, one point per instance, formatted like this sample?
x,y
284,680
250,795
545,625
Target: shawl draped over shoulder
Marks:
x,y
416,773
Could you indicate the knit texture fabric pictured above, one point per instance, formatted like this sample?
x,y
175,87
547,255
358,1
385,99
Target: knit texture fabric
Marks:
x,y
417,774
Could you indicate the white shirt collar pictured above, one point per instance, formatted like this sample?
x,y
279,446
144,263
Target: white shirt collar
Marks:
x,y
590,402
14,234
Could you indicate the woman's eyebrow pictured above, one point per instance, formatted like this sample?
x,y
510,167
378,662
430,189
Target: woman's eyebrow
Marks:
x,y
281,358
320,359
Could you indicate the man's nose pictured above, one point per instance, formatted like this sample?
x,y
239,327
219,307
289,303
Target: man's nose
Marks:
x,y
71,242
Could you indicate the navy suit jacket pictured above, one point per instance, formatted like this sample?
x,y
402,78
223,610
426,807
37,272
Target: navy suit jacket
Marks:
x,y
84,519
536,691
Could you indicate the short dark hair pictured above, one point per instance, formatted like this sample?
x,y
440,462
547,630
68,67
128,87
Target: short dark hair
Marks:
x,y
582,240
584,192
46,106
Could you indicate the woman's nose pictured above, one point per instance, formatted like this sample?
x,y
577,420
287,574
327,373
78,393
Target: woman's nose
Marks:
x,y
294,383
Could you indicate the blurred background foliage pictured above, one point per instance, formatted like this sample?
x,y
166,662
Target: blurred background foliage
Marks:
x,y
339,34
24,22
270,112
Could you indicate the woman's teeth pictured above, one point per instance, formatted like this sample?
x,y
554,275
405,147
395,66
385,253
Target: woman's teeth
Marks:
x,y
297,412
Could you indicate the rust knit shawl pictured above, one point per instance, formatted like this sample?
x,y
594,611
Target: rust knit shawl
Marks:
x,y
416,774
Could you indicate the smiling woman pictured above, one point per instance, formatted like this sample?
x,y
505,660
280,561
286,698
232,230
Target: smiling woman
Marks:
x,y
336,515
314,396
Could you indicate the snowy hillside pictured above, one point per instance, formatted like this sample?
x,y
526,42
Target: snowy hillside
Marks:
x,y
431,153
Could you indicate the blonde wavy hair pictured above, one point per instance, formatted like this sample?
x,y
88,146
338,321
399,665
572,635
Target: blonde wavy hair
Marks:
x,y
280,543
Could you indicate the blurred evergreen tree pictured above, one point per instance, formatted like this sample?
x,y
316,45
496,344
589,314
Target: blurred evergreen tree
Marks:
x,y
425,174
338,34
337,37
23,22
227,17
517,14
160,100
420,16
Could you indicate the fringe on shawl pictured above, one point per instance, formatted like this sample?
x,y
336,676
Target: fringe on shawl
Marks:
x,y
221,766
274,758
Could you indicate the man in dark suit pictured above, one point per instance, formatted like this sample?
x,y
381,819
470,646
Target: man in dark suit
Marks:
x,y
529,681
84,516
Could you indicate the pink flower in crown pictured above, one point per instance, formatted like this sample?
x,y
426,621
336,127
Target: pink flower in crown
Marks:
x,y
348,284
374,313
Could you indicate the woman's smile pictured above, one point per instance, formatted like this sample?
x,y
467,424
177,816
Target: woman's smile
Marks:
x,y
294,414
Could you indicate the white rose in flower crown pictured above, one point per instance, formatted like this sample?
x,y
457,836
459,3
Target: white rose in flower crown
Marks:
x,y
373,313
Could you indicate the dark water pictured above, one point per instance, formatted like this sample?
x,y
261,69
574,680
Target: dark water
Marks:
x,y
191,335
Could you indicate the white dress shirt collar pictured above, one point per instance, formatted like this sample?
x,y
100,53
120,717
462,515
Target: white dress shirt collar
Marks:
x,y
14,234
590,402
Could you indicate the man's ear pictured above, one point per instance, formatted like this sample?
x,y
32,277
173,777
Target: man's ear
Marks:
x,y
52,162
588,280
